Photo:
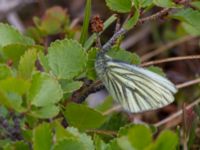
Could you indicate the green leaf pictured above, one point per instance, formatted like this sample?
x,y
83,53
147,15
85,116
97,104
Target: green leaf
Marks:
x,y
99,143
43,61
122,6
138,132
42,137
13,52
146,3
34,33
10,35
69,144
125,129
192,133
197,111
3,112
190,29
27,64
20,145
73,133
113,145
124,55
82,137
107,103
136,59
70,86
90,119
5,71
46,112
116,121
189,16
164,3
11,92
132,21
5,101
16,85
60,132
196,4
136,3
53,21
156,70
125,144
93,37
66,59
86,21
44,90
165,141
91,73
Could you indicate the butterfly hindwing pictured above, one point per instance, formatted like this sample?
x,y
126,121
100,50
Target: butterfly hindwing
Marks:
x,y
137,89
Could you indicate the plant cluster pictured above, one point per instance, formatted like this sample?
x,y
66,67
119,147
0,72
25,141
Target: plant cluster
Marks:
x,y
46,75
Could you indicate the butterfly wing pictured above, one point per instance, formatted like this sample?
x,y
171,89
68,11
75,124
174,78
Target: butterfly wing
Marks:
x,y
135,88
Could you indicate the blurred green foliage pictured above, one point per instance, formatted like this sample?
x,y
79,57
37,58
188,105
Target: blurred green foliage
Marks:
x,y
38,82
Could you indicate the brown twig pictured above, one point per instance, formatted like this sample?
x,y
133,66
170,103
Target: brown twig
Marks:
x,y
167,47
154,16
74,22
177,114
123,31
188,83
113,109
88,90
192,57
184,120
118,25
104,132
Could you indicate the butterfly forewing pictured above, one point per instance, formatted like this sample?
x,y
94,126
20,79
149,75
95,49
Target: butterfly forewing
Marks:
x,y
137,89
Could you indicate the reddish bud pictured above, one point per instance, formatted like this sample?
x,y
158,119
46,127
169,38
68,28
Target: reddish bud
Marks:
x,y
96,24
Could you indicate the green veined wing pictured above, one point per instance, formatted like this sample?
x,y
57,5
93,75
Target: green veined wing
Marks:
x,y
135,88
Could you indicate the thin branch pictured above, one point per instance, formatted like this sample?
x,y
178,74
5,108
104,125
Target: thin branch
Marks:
x,y
74,22
94,87
112,40
98,41
192,57
122,31
131,40
154,16
177,114
118,25
104,132
167,47
113,109
189,83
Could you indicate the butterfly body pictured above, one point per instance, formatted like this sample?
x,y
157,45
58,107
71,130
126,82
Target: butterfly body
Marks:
x,y
135,88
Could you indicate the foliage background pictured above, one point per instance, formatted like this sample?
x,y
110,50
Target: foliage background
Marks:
x,y
47,73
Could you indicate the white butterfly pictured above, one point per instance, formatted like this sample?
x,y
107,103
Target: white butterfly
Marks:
x,y
135,88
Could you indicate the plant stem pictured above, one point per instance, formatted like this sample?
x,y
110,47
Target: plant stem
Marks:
x,y
167,47
188,83
104,132
177,114
122,31
113,109
154,16
112,40
192,57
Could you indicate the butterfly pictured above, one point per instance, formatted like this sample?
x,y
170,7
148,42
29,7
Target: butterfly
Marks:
x,y
135,88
